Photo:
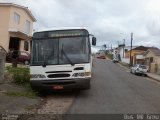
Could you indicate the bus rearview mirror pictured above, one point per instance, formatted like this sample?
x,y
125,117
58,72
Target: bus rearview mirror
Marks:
x,y
94,41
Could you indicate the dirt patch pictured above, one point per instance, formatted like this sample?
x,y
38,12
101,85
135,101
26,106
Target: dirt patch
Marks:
x,y
15,104
56,104
52,107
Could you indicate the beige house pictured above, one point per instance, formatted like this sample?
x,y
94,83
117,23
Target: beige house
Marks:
x,y
152,57
16,25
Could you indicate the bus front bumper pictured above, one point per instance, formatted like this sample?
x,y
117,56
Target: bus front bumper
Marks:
x,y
61,84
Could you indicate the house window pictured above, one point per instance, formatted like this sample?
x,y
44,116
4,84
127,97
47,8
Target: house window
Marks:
x,y
151,59
126,50
26,45
27,27
16,18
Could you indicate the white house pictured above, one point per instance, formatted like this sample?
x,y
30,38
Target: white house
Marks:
x,y
120,53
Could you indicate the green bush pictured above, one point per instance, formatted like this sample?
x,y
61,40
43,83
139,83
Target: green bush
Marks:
x,y
124,64
19,75
110,56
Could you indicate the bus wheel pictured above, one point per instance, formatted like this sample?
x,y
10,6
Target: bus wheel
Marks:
x,y
88,86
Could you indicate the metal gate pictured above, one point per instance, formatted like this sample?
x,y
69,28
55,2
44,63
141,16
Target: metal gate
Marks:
x,y
2,63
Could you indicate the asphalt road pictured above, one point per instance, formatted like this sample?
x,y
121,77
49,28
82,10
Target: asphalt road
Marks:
x,y
115,90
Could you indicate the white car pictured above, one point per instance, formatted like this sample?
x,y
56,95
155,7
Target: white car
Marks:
x,y
115,60
139,69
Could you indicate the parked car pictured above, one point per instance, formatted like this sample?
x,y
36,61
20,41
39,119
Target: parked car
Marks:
x,y
139,69
101,57
115,60
23,57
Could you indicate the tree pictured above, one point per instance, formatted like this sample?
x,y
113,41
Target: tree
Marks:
x,y
105,46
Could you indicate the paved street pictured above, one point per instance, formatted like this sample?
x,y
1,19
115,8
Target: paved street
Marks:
x,y
115,90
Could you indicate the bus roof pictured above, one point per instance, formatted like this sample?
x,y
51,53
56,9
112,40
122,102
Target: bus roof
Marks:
x,y
66,32
61,28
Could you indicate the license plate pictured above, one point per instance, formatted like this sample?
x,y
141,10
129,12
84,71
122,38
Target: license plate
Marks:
x,y
58,87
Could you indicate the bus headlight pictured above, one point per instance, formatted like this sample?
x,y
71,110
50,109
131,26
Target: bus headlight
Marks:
x,y
78,75
87,73
37,76
82,74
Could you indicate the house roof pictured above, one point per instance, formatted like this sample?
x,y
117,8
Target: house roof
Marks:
x,y
143,48
156,51
22,7
125,47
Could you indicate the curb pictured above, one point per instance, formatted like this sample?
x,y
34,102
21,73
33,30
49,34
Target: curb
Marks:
x,y
147,74
153,78
123,66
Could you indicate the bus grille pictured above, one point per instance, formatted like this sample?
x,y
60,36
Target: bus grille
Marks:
x,y
59,83
58,75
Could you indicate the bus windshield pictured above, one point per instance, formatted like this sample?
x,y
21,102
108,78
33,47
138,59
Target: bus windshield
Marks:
x,y
57,51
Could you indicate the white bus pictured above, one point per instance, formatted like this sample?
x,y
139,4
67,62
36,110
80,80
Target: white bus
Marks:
x,y
61,59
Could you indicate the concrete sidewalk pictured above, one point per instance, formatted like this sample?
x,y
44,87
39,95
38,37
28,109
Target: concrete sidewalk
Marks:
x,y
154,76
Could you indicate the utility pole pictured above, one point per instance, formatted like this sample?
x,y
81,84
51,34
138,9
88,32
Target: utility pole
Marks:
x,y
131,49
111,46
123,46
118,43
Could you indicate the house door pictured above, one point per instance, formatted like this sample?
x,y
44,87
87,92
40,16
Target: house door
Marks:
x,y
14,43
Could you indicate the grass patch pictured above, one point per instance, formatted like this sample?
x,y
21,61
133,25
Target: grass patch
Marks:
x,y
125,64
29,92
110,56
21,77
22,94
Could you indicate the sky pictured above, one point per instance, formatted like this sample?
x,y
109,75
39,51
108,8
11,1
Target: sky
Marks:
x,y
110,21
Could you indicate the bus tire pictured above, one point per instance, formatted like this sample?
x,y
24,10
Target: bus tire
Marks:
x,y
88,86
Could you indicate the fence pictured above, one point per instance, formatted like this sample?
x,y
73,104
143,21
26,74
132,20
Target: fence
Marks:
x,y
2,63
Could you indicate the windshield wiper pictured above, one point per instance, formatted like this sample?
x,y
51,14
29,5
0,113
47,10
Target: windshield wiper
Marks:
x,y
44,64
45,61
67,57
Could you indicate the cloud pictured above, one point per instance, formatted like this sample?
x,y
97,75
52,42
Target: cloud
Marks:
x,y
106,19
